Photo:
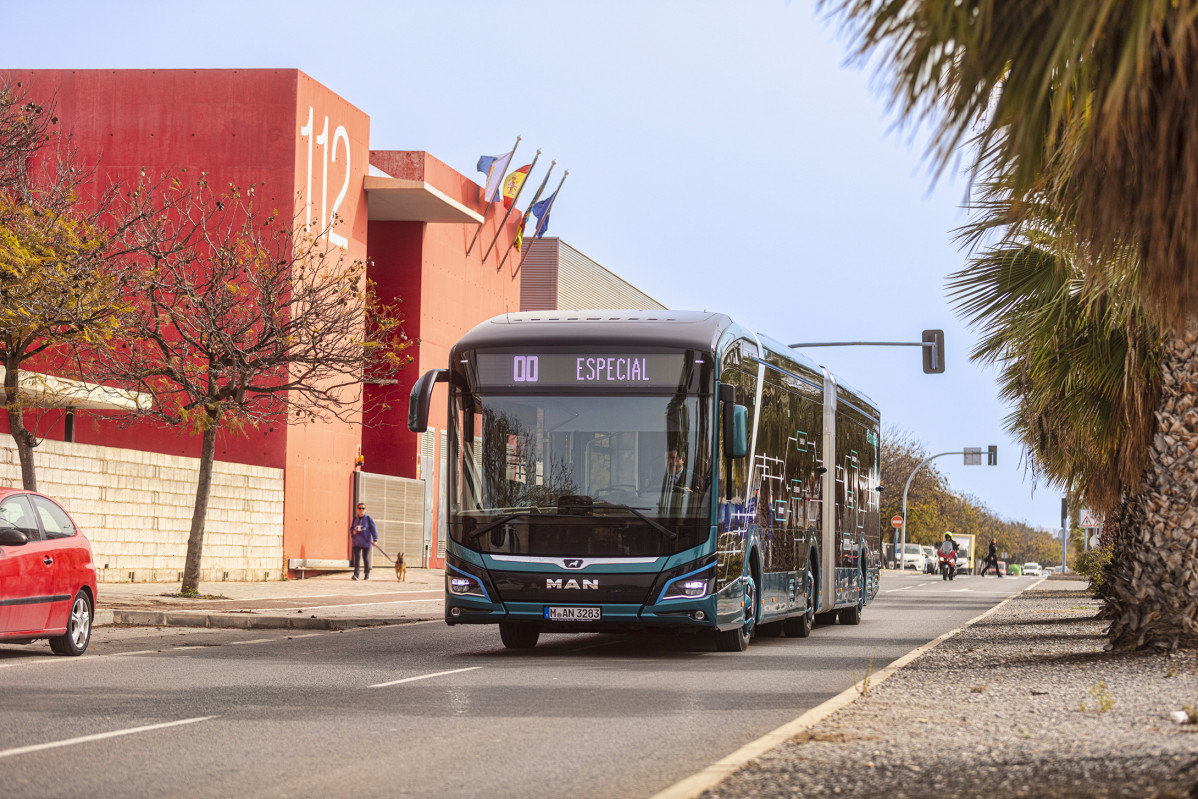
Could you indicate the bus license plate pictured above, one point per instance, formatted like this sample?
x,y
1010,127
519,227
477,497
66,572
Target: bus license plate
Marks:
x,y
573,614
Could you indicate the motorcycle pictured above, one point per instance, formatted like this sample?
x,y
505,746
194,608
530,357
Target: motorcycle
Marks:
x,y
948,565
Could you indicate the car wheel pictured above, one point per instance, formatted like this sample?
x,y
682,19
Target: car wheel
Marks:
x,y
79,628
517,635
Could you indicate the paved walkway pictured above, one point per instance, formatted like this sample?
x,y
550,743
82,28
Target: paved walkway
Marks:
x,y
329,601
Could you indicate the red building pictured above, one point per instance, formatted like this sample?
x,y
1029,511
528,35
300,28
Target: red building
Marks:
x,y
412,215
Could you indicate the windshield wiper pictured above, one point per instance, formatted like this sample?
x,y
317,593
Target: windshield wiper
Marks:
x,y
489,526
600,503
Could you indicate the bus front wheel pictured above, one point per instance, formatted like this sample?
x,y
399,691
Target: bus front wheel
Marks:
x,y
517,635
737,640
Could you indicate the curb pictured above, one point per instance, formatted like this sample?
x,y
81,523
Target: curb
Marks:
x,y
153,618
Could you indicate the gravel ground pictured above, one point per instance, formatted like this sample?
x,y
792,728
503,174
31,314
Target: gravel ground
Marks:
x,y
1025,703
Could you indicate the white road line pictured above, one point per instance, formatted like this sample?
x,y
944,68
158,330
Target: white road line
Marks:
x,y
367,604
423,677
42,662
254,641
24,750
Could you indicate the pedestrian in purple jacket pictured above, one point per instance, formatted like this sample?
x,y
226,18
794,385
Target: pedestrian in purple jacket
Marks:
x,y
364,535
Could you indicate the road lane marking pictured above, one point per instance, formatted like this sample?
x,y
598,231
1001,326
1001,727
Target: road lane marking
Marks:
x,y
44,661
254,641
423,677
24,750
367,604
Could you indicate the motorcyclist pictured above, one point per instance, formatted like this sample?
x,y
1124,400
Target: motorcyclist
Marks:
x,y
948,552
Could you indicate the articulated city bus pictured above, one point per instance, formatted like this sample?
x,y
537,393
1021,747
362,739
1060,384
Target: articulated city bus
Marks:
x,y
642,470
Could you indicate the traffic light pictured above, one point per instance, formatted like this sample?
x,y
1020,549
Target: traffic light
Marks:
x,y
933,355
992,456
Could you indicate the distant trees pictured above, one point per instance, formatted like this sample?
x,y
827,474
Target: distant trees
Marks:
x,y
933,508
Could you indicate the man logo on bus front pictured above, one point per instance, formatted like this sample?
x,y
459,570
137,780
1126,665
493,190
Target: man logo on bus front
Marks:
x,y
573,563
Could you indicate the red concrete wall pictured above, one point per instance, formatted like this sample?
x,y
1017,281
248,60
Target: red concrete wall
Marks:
x,y
233,124
330,162
387,446
242,127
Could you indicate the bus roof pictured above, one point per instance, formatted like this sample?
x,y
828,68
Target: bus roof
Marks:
x,y
699,330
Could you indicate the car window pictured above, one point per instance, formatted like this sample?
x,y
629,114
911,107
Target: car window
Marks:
x,y
55,521
16,512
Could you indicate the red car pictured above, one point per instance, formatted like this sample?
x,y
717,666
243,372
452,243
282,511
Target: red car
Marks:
x,y
47,578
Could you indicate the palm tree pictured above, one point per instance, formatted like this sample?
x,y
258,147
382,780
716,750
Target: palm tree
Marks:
x,y
1079,358
1078,354
1086,108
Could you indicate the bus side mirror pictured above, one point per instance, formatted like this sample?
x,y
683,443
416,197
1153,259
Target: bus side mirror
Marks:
x,y
736,431
421,397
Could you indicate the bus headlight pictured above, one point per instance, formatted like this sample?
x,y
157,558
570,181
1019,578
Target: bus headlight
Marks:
x,y
690,589
688,582
459,583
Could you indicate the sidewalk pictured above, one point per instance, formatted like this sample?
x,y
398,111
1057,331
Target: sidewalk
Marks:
x,y
327,602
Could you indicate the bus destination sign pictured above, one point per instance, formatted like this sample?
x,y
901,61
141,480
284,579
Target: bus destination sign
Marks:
x,y
559,369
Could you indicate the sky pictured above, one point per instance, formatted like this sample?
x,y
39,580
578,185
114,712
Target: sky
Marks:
x,y
723,156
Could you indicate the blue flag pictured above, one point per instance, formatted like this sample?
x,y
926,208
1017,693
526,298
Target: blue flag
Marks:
x,y
541,212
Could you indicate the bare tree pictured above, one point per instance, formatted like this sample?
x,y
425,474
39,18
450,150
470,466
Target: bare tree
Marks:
x,y
239,318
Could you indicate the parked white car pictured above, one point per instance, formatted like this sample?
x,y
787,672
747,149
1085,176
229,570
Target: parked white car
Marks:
x,y
913,557
1032,569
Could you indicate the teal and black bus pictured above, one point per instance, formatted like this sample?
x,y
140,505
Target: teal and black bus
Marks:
x,y
652,470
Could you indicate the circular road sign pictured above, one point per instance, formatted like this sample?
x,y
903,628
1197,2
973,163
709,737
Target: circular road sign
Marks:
x,y
896,522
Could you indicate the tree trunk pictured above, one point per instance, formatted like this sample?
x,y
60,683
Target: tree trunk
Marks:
x,y
199,513
1153,596
24,439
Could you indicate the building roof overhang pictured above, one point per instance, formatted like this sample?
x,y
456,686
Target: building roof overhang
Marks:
x,y
37,390
403,200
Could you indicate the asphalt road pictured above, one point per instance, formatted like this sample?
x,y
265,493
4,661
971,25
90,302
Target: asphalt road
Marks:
x,y
426,710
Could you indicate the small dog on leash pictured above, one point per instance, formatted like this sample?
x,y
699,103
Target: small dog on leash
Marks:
x,y
401,568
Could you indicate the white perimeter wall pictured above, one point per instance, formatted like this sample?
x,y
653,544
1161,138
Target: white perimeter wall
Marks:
x,y
135,508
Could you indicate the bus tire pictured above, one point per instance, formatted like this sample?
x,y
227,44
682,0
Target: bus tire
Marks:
x,y
518,635
853,615
800,626
737,640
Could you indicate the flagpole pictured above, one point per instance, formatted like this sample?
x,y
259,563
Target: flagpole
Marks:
x,y
524,254
535,197
515,200
487,210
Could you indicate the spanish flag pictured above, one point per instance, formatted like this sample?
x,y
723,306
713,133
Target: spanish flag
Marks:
x,y
512,184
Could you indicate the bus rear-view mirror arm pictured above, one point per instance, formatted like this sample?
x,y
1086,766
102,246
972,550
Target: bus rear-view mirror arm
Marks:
x,y
421,398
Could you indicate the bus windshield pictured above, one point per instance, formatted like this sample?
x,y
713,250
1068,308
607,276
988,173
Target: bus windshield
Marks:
x,y
614,475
